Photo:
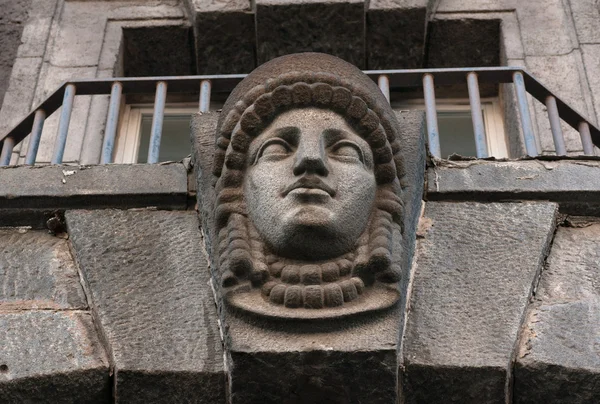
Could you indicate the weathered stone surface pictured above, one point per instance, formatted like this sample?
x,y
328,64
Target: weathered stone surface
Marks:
x,y
339,361
140,185
225,36
37,271
37,28
142,45
395,33
512,119
335,27
586,16
558,358
51,357
511,46
19,96
453,6
463,43
11,28
591,60
154,9
475,271
546,27
148,280
412,127
202,133
76,37
14,11
569,182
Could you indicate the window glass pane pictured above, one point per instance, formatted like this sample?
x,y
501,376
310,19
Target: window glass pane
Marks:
x,y
456,133
175,141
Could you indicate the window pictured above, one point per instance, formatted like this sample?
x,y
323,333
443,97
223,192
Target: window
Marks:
x,y
454,121
134,133
456,127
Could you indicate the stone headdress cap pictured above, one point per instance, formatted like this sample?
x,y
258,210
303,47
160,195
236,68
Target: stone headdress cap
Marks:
x,y
317,80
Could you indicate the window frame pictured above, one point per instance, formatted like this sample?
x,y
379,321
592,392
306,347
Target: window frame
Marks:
x,y
493,118
130,123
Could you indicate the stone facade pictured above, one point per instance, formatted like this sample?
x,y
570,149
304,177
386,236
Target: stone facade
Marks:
x,y
106,293
557,41
500,305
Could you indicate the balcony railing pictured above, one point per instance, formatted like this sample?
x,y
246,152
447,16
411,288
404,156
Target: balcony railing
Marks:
x,y
387,80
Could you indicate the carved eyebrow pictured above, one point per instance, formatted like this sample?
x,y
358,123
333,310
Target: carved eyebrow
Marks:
x,y
290,134
332,135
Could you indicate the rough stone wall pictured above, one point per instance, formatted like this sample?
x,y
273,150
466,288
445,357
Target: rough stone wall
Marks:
x,y
557,40
116,305
12,20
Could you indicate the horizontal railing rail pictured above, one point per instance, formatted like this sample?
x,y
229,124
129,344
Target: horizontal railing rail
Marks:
x,y
388,80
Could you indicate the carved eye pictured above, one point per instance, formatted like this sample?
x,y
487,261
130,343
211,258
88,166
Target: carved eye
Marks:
x,y
274,148
345,149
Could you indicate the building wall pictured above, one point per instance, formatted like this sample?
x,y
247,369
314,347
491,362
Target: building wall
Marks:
x,y
11,29
556,40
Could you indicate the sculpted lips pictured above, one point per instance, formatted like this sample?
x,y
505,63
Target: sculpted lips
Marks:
x,y
309,182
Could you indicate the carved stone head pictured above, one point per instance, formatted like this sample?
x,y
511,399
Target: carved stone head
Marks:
x,y
308,210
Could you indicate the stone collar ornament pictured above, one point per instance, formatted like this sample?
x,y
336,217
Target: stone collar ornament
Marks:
x,y
308,209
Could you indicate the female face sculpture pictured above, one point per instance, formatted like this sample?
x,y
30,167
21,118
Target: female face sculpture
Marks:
x,y
310,184
308,211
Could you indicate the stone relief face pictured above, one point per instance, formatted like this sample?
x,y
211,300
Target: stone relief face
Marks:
x,y
308,206
309,185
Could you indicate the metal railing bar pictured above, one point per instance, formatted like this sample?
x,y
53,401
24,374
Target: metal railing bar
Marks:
x,y
444,77
36,136
63,124
112,121
224,83
433,133
384,85
7,149
145,85
567,114
477,116
157,122
586,139
205,89
23,128
557,133
526,123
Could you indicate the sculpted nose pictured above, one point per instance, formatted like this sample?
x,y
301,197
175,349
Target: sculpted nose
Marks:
x,y
310,159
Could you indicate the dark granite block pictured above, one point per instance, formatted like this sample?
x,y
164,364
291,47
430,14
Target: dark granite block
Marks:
x,y
149,284
475,271
110,185
351,360
572,183
463,43
158,51
37,271
558,358
396,33
331,26
225,36
51,357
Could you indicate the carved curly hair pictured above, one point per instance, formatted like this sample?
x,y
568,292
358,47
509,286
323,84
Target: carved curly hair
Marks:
x,y
247,114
